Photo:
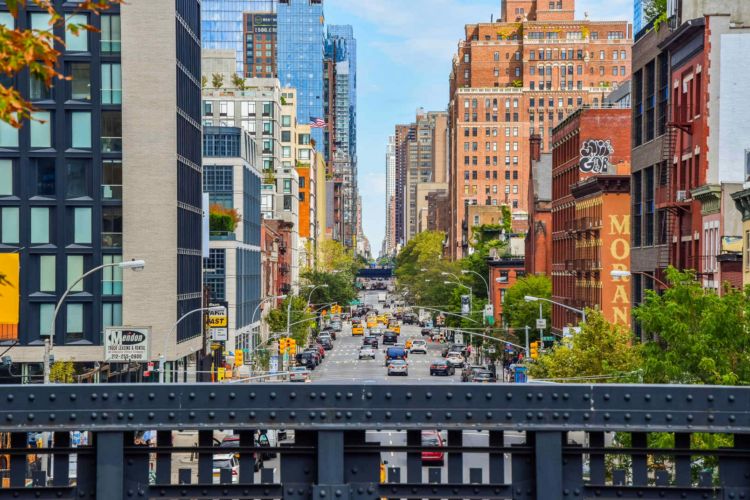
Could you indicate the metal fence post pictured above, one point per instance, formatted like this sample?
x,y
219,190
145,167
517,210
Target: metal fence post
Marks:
x,y
455,458
205,458
414,458
247,459
110,460
497,459
18,462
61,461
548,460
164,460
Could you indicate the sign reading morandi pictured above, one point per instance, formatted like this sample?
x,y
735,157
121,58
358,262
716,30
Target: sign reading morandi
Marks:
x,y
618,256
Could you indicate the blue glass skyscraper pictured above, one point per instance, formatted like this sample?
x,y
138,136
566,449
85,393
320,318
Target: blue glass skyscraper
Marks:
x,y
638,15
221,24
341,46
300,39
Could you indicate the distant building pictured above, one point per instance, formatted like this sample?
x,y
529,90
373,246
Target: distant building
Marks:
x,y
539,231
390,194
639,14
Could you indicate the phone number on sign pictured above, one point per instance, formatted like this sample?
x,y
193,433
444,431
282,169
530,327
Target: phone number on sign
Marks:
x,y
126,357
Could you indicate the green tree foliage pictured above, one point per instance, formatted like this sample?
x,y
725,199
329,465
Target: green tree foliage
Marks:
x,y
62,372
277,319
656,11
696,335
519,313
340,289
333,256
418,270
600,349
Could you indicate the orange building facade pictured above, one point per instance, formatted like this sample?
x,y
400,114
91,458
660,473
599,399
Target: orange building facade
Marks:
x,y
518,77
303,171
591,215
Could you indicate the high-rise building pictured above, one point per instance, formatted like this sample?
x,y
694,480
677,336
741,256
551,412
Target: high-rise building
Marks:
x,y
300,37
403,134
68,204
390,194
260,45
517,77
341,47
639,15
224,27
232,271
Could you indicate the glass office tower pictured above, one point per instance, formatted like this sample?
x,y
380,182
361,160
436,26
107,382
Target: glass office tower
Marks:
x,y
300,56
221,24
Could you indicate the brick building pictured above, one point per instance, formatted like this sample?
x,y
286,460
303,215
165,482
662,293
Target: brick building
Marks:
x,y
590,213
517,77
539,230
504,272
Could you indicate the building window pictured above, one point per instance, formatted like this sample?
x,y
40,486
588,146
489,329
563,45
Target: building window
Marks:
x,y
286,152
75,271
82,225
111,314
38,89
9,232
74,327
45,176
46,311
47,273
111,84
8,135
80,130
76,42
80,85
6,178
111,227
112,179
41,129
110,34
111,131
112,276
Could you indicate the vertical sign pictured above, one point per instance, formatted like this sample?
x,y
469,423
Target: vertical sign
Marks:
x,y
218,323
10,266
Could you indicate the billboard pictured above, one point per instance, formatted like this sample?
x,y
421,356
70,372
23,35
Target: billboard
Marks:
x,y
218,322
125,344
10,266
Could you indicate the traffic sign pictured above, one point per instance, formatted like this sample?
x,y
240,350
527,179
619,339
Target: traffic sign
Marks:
x,y
548,339
491,350
541,324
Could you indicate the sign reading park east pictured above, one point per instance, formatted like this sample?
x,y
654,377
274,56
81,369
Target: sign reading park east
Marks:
x,y
124,344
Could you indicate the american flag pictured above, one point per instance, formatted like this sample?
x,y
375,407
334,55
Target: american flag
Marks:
x,y
317,122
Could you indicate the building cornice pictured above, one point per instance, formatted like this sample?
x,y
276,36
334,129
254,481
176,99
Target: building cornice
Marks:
x,y
710,197
742,202
601,184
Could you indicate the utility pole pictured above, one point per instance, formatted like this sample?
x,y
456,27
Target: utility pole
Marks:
x,y
526,329
288,324
541,330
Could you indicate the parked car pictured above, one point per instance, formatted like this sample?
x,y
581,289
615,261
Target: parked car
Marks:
x,y
226,461
433,439
321,350
390,338
441,367
483,377
313,351
454,359
418,345
326,342
371,341
467,374
366,352
306,360
299,374
232,441
398,367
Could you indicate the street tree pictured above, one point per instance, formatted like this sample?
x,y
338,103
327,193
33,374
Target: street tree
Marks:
x,y
601,350
33,50
277,319
694,335
517,312
333,256
340,287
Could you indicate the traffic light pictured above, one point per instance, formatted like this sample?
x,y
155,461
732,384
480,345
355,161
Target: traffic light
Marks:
x,y
239,357
282,345
292,346
534,350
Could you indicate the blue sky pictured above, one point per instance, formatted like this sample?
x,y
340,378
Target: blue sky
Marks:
x,y
404,56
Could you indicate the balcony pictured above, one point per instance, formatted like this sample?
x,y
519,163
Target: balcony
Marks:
x,y
222,236
668,197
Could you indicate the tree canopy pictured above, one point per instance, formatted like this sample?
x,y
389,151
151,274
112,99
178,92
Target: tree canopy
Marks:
x,y
340,289
333,256
277,319
517,312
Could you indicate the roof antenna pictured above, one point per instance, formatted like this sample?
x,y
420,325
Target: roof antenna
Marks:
x,y
492,18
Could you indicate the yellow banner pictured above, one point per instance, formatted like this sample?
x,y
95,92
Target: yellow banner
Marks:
x,y
10,266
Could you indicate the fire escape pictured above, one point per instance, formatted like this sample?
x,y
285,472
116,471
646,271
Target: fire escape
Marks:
x,y
672,198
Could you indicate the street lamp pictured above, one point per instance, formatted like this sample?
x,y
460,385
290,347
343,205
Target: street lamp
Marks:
x,y
314,287
621,273
135,265
467,271
531,298
163,355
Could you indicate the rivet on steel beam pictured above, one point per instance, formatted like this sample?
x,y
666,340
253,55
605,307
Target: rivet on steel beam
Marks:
x,y
428,395
210,414
539,395
669,417
566,396
339,493
322,395
469,415
105,415
627,396
529,415
233,415
607,416
172,395
408,415
388,395
105,396
408,395
211,395
72,416
94,396
449,395
540,415
94,415
348,414
566,415
648,416
368,395
339,414
448,415
349,395
627,416
72,397
311,415
586,396
52,397
668,397
555,396
292,414
290,491
339,395
586,416
273,395
710,397
732,418
488,395
508,395
171,415
131,396
252,395
9,417
368,414
313,395
251,414
555,415
232,395
31,397
131,416
468,395
52,416
292,395
647,397
689,417
529,396
151,415
272,415
120,395
191,395
428,415
191,414
606,396
509,415
731,398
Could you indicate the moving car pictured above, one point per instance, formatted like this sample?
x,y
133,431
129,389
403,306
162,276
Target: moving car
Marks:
x,y
426,332
394,327
299,374
398,367
441,367
395,353
226,461
371,341
358,329
367,352
467,374
418,345
376,331
433,439
390,338
454,359
483,377
454,347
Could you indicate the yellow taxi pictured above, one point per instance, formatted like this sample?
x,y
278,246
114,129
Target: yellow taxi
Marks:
x,y
395,327
372,322
408,344
358,329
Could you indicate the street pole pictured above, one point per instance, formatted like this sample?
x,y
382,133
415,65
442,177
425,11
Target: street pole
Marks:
x,y
526,329
288,319
541,330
